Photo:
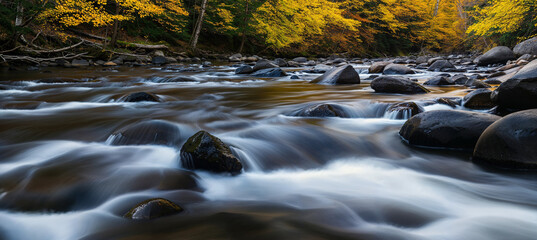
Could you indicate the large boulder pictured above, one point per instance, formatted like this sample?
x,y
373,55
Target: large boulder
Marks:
x,y
270,72
520,91
499,54
441,66
322,110
387,84
141,97
404,110
510,142
207,152
526,47
397,69
153,208
340,75
478,99
264,64
378,67
154,132
438,81
450,129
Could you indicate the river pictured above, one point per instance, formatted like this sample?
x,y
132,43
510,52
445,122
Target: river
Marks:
x,y
304,178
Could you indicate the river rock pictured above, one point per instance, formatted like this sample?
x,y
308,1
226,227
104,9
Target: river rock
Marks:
x,y
322,110
159,60
451,129
207,152
270,72
474,83
397,69
441,66
526,47
340,75
244,70
438,81
520,91
300,60
378,67
499,54
433,60
448,101
264,64
459,79
154,132
510,142
153,208
478,99
405,110
387,84
280,62
141,97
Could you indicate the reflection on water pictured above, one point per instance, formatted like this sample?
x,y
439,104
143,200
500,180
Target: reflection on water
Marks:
x,y
305,177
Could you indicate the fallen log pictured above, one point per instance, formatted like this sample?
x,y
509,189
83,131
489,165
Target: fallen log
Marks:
x,y
8,58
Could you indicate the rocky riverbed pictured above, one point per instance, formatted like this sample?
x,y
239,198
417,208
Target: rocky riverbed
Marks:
x,y
399,148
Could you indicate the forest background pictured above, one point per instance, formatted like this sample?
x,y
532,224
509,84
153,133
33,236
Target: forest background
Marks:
x,y
367,28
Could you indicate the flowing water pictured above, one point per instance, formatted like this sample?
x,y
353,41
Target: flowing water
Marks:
x,y
304,178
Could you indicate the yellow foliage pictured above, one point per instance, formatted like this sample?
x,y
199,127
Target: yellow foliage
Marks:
x,y
502,16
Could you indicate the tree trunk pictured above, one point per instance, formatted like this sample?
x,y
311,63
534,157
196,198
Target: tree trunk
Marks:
x,y
20,11
436,6
245,25
115,29
197,28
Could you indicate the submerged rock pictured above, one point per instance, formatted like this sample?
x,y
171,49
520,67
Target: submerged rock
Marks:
x,y
141,97
520,91
155,132
451,129
270,72
207,152
340,75
397,69
322,110
153,208
478,99
510,142
404,110
386,84
500,54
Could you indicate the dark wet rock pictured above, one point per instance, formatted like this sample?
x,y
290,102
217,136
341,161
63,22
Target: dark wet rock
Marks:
x,y
520,91
180,79
496,74
448,101
322,110
474,83
206,152
459,79
300,60
405,110
431,61
438,81
155,132
244,70
397,69
159,60
340,75
141,97
80,63
264,64
526,47
493,81
153,208
294,77
280,62
270,72
499,54
510,142
478,99
441,66
421,59
451,129
378,67
387,84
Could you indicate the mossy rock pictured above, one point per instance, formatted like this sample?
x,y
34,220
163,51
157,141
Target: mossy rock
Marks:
x,y
153,208
206,152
